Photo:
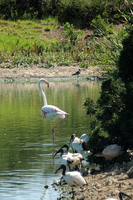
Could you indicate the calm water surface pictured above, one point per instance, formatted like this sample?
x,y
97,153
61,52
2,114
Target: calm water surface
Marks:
x,y
26,148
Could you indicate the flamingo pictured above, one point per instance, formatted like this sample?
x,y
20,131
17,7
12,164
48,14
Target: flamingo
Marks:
x,y
50,111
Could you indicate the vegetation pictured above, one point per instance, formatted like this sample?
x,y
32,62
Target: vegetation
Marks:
x,y
114,109
25,43
77,12
27,39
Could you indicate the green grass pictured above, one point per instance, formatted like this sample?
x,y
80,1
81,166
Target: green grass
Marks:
x,y
26,43
22,35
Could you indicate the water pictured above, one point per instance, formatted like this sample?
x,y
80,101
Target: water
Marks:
x,y
26,148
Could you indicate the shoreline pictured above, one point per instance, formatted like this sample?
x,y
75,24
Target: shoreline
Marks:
x,y
101,184
57,73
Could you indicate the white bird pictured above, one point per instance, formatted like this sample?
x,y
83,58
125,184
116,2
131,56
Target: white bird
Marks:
x,y
73,178
121,196
84,137
110,151
65,159
74,156
77,144
50,111
76,73
80,146
68,159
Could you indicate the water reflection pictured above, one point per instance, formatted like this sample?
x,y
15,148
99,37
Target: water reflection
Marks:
x,y
26,138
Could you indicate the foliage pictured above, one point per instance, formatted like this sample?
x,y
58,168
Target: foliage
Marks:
x,y
109,47
102,26
114,108
71,33
75,12
22,41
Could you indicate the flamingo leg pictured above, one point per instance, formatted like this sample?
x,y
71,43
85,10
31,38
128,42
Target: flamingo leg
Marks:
x,y
58,123
53,132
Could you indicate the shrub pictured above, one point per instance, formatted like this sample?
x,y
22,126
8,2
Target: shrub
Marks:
x,y
114,109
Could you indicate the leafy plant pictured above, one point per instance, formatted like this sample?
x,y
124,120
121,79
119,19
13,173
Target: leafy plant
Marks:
x,y
102,26
114,109
70,33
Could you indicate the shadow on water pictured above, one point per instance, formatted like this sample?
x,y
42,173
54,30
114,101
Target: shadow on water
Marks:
x,y
26,139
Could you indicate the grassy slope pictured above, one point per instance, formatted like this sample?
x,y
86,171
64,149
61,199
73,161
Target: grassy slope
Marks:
x,y
24,43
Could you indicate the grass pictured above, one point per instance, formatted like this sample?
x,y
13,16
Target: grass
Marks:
x,y
26,43
20,35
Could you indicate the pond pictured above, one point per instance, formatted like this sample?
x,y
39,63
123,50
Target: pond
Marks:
x,y
26,148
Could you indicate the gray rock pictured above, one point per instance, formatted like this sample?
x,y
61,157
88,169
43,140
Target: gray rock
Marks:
x,y
130,172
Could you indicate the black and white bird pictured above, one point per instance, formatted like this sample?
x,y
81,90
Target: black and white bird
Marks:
x,y
65,160
73,178
77,156
121,196
78,144
77,73
69,160
84,137
110,151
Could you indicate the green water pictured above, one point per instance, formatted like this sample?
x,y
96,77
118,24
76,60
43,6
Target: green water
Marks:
x,y
26,148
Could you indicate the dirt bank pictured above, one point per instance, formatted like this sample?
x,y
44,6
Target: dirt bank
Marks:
x,y
38,71
102,185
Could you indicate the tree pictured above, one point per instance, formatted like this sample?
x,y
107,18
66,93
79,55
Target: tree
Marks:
x,y
114,109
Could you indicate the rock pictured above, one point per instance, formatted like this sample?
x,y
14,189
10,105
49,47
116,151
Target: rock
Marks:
x,y
130,164
108,182
130,172
46,186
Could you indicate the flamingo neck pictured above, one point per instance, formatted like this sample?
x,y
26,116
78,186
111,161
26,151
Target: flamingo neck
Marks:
x,y
43,94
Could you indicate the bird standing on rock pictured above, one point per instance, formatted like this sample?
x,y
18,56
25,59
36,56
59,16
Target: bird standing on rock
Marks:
x,y
73,178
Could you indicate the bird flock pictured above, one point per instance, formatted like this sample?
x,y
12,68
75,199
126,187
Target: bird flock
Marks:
x,y
74,160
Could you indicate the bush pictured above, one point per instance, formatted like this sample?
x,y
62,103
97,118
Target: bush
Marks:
x,y
114,109
80,12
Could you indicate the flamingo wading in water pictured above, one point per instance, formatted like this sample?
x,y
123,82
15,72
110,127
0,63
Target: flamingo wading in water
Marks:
x,y
50,111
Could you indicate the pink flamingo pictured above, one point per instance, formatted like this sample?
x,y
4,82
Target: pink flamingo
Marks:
x,y
50,111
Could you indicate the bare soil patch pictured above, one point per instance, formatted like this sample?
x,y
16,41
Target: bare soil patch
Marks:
x,y
38,72
103,185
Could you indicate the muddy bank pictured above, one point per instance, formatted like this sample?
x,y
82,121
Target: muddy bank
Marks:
x,y
101,185
35,72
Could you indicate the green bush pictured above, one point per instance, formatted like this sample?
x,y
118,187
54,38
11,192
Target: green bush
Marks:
x,y
102,26
114,109
71,33
80,12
